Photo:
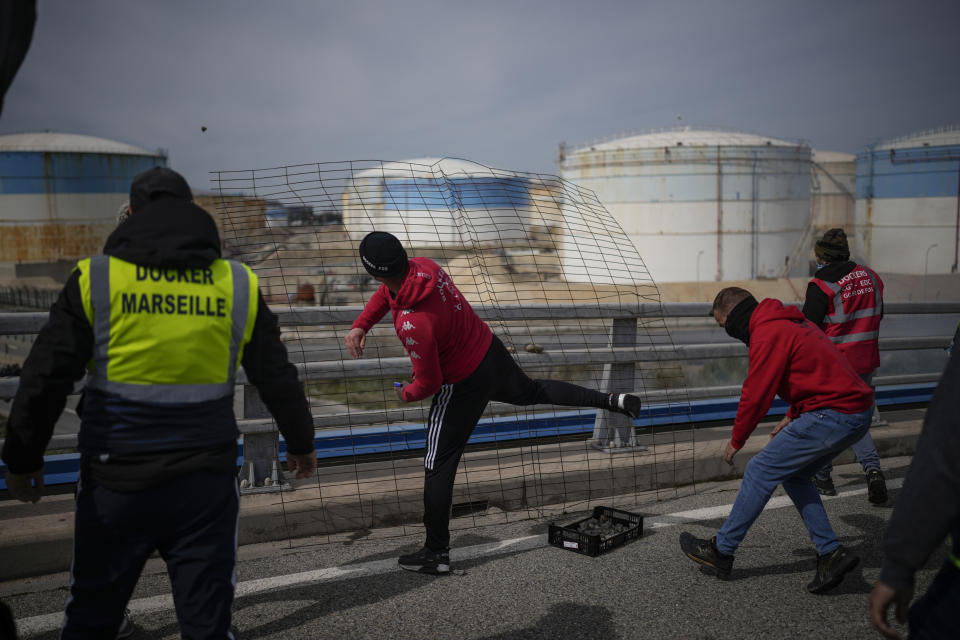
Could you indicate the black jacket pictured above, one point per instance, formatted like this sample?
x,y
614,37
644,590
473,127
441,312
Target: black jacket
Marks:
x,y
167,233
816,303
928,507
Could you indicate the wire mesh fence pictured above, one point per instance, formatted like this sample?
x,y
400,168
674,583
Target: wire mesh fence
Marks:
x,y
556,279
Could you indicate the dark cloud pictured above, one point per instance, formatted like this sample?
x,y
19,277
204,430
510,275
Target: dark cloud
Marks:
x,y
498,82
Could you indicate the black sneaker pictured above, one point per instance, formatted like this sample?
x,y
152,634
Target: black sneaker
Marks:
x,y
625,403
825,486
876,487
126,626
705,552
427,561
831,568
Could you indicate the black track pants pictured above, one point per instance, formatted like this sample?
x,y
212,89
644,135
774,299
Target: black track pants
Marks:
x,y
457,408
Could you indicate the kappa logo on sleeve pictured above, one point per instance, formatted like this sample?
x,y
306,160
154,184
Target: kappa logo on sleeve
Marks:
x,y
411,342
414,355
407,326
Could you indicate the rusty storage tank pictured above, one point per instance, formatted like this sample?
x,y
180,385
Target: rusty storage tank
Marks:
x,y
833,186
833,178
908,203
702,204
439,203
59,198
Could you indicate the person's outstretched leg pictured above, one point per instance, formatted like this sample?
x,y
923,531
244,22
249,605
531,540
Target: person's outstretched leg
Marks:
x,y
514,386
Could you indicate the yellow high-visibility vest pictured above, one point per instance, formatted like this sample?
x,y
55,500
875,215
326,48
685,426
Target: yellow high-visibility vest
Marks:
x,y
167,334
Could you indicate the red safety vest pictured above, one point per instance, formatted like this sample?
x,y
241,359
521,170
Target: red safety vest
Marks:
x,y
853,316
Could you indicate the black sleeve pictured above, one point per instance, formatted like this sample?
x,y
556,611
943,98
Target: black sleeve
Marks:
x,y
929,504
815,306
57,360
270,371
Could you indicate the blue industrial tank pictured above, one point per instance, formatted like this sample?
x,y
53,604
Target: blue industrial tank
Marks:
x,y
59,196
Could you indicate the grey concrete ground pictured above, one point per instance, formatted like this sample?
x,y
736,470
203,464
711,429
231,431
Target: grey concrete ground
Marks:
x,y
512,585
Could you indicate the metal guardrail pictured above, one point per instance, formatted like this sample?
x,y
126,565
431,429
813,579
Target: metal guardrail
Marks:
x,y
611,432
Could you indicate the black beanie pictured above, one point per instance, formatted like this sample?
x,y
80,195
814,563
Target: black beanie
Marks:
x,y
383,255
832,247
156,183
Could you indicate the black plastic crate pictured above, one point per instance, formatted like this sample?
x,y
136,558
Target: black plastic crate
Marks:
x,y
592,544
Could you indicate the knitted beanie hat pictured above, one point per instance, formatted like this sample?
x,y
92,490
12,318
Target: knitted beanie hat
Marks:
x,y
832,247
383,255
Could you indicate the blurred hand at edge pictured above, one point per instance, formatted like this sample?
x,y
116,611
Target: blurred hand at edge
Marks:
x,y
304,464
881,598
26,487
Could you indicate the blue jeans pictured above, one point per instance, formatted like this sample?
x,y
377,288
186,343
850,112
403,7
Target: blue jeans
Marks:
x,y
791,458
863,448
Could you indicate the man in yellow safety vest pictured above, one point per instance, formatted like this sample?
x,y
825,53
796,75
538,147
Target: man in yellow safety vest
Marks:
x,y
161,324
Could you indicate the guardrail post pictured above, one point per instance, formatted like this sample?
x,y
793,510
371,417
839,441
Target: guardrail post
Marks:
x,y
614,432
261,471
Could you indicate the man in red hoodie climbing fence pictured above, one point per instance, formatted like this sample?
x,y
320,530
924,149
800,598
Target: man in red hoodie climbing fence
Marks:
x,y
830,409
457,360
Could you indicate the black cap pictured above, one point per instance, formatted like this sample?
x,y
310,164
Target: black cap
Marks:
x,y
156,183
383,255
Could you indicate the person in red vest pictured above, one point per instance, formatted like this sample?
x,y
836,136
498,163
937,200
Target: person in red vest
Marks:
x,y
846,300
457,360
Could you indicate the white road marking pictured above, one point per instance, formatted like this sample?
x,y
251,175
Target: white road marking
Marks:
x,y
51,621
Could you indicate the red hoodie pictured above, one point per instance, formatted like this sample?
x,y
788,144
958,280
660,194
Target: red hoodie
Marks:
x,y
445,338
791,357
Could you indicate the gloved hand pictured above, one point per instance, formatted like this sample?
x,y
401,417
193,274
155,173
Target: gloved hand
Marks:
x,y
26,487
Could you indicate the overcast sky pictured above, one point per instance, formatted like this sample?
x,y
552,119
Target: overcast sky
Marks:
x,y
501,83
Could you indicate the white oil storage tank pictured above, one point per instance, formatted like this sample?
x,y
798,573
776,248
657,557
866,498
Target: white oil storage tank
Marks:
x,y
703,204
438,202
908,203
59,197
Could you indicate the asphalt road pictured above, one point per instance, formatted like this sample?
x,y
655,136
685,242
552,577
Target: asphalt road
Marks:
x,y
510,584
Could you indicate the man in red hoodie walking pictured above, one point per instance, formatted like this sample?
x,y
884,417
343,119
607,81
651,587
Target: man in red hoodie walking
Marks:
x,y
830,409
457,360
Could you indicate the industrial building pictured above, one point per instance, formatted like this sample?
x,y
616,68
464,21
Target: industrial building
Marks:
x,y
704,204
59,197
907,215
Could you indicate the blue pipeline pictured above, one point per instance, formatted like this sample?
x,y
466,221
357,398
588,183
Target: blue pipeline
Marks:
x,y
338,443
925,172
34,172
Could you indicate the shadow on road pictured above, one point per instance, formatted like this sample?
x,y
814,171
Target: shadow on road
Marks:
x,y
566,620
